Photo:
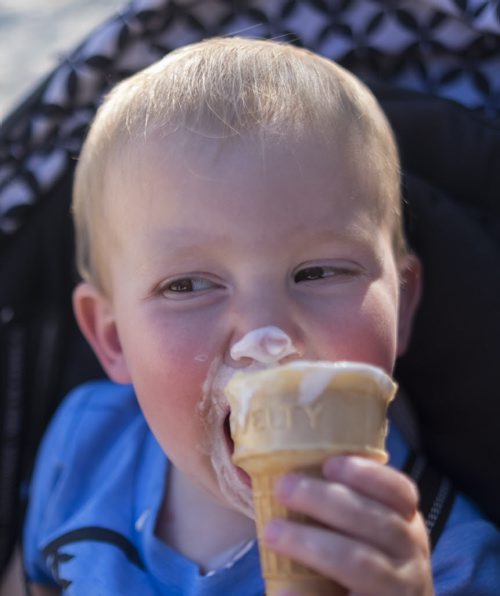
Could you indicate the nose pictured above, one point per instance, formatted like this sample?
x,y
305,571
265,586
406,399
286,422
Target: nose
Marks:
x,y
265,345
266,324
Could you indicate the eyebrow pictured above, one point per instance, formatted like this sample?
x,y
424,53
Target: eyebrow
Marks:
x,y
354,232
185,240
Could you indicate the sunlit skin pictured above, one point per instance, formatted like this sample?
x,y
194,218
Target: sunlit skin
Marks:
x,y
210,241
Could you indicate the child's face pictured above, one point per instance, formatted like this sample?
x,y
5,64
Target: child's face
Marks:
x,y
211,243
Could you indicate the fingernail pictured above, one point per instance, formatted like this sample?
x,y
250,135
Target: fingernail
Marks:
x,y
273,531
286,486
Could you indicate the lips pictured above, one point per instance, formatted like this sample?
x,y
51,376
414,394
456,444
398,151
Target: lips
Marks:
x,y
242,475
227,434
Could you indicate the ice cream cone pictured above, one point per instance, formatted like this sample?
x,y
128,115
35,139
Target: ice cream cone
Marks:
x,y
290,419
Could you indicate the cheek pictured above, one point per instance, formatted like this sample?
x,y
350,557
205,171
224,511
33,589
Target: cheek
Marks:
x,y
375,333
169,397
168,365
364,332
173,347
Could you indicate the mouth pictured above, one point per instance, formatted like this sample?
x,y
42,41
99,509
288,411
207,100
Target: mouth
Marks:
x,y
242,475
227,434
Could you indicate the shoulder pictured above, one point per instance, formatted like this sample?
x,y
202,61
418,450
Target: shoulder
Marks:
x,y
466,545
466,559
87,457
100,399
89,414
89,418
90,423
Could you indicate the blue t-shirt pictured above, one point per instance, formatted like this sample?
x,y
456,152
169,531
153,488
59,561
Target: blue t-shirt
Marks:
x,y
97,491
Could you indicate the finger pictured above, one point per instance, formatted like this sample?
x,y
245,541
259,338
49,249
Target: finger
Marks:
x,y
356,566
376,481
346,511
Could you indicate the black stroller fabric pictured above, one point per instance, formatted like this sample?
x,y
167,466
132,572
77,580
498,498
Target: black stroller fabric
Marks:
x,y
451,188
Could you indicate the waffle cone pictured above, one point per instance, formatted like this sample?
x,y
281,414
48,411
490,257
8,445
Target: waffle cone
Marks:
x,y
281,573
290,419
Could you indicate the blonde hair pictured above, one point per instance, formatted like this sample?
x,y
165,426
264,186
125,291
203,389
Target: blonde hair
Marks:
x,y
222,88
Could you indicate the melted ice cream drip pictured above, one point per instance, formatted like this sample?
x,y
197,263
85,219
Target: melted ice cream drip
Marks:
x,y
266,345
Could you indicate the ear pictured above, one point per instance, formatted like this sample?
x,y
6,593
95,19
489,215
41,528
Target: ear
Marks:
x,y
409,298
95,316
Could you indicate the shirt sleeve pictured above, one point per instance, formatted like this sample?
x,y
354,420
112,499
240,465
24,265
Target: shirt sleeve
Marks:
x,y
44,507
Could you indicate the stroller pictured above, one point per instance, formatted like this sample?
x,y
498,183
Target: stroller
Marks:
x,y
444,104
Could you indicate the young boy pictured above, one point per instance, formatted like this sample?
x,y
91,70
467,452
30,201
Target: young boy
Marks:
x,y
236,189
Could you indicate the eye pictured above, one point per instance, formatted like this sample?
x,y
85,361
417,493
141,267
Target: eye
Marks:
x,y
187,285
311,274
319,272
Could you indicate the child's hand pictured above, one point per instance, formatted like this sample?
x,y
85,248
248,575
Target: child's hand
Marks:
x,y
374,541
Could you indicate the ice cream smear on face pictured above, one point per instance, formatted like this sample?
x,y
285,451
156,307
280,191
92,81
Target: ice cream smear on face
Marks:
x,y
267,345
264,346
213,410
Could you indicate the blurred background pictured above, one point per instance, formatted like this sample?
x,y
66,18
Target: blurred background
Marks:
x,y
36,35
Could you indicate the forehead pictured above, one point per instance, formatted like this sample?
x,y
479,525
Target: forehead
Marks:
x,y
264,182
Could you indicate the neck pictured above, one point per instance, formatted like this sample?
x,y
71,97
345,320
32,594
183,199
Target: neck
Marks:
x,y
197,526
